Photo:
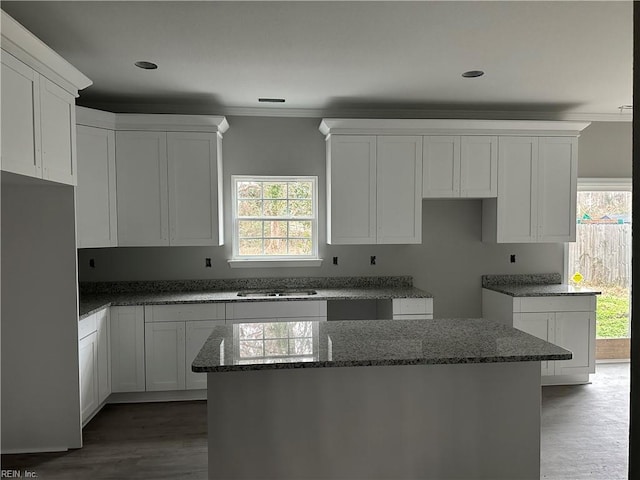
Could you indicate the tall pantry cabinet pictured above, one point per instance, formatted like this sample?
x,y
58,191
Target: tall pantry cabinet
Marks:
x,y
38,248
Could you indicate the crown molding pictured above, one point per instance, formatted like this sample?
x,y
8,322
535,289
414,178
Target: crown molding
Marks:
x,y
379,126
29,49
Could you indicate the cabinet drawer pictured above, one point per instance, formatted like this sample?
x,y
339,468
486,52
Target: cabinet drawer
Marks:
x,y
277,309
87,326
412,306
556,304
184,312
418,316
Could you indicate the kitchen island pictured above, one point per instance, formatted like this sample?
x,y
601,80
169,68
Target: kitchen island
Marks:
x,y
446,398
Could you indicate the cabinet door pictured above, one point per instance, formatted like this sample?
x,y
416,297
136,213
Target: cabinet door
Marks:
x,y
539,325
197,333
194,188
88,357
141,186
576,331
557,183
479,167
351,189
399,189
58,125
441,167
20,99
96,192
104,355
517,214
164,356
127,349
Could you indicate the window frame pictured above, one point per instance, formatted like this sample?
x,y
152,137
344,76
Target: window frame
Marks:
x,y
240,261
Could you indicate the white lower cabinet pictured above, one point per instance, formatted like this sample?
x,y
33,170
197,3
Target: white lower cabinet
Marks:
x,y
127,349
412,308
566,321
164,356
174,334
95,363
88,357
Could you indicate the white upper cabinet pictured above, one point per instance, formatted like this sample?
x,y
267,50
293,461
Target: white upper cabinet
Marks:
x,y
58,133
20,124
537,178
441,167
351,189
460,166
195,188
141,188
374,186
557,189
478,167
38,107
399,189
96,192
169,179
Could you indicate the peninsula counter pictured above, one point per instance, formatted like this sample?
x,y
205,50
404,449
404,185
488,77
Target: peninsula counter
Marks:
x,y
414,399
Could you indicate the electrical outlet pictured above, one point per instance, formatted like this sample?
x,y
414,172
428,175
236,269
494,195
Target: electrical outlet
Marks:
x,y
513,258
373,260
207,262
335,260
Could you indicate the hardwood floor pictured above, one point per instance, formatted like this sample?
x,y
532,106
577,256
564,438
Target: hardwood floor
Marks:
x,y
584,436
130,441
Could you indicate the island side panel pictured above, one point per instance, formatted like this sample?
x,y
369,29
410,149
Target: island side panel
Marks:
x,y
401,422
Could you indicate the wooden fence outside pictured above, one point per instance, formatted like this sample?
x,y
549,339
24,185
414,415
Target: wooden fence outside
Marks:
x,y
602,254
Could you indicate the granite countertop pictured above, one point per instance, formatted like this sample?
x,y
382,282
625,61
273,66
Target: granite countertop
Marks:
x,y
368,343
534,285
348,288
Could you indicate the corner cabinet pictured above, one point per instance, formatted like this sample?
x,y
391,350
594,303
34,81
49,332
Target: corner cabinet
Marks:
x,y
37,93
374,189
537,183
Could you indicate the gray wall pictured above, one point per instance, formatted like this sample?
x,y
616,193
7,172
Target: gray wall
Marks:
x,y
40,390
604,150
448,263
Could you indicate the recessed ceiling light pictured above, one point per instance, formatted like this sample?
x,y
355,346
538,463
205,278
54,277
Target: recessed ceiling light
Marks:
x,y
271,100
473,74
146,65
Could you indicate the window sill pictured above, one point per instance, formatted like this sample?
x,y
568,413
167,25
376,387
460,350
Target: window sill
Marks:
x,y
275,263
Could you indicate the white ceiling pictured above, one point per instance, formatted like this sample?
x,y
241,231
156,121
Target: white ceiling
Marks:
x,y
542,59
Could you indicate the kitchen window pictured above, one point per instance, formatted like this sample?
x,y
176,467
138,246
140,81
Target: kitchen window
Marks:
x,y
274,221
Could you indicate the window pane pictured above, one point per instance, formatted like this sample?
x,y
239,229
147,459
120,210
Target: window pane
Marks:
x,y
275,330
275,208
301,346
300,190
275,190
300,229
250,247
251,348
276,347
249,208
299,247
300,329
300,208
275,229
250,228
275,247
250,331
249,189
